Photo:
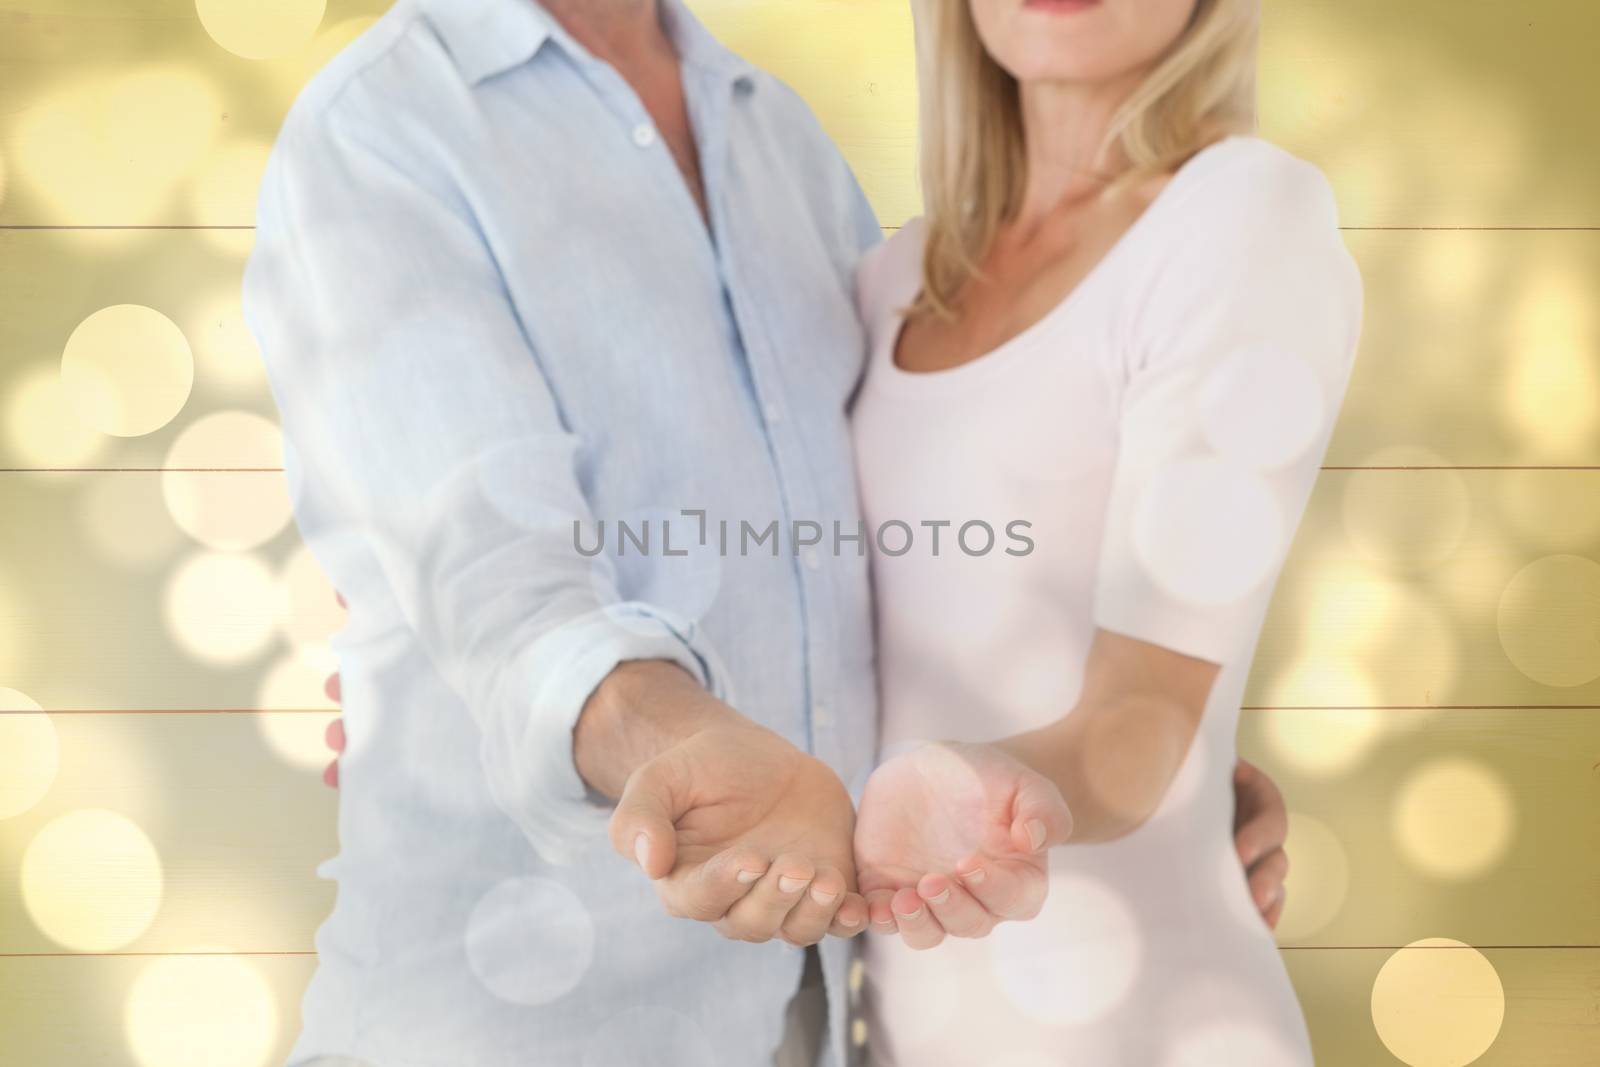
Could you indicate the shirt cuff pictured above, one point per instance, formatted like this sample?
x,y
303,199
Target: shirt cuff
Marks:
x,y
527,744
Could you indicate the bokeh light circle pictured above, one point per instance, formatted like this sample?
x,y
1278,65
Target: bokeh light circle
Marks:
x,y
222,193
202,1010
1454,818
1060,980
309,610
127,370
1262,408
242,505
30,753
261,29
292,685
1404,520
112,149
1318,879
530,940
43,428
1549,620
225,351
221,607
1207,531
91,880
1438,1003
1323,742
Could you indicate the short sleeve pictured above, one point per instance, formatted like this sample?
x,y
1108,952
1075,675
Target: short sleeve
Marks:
x,y
1237,352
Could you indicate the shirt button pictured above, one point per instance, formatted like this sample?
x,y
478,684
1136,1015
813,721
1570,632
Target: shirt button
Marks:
x,y
821,714
772,412
644,135
811,558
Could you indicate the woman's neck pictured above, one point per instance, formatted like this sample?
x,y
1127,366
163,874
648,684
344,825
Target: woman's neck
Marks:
x,y
1062,125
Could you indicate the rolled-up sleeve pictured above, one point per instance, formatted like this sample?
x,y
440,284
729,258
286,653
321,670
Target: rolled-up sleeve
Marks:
x,y
429,462
1239,348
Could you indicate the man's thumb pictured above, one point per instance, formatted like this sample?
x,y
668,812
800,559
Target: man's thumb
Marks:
x,y
642,827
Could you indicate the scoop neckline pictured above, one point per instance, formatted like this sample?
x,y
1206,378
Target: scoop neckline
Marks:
x,y
984,364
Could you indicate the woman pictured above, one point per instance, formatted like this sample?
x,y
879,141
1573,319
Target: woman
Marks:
x,y
1126,322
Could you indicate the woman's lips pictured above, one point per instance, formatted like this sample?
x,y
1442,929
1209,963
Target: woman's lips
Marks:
x,y
1060,7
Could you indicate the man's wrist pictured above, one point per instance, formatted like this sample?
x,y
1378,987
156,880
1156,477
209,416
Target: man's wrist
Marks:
x,y
639,710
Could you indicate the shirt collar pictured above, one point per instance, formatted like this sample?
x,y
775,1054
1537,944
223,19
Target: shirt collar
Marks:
x,y
488,37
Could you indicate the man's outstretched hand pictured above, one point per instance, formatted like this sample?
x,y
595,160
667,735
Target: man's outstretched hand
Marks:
x,y
952,838
738,828
1260,828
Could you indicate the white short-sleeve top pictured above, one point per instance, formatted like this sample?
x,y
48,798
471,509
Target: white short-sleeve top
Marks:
x,y
1137,460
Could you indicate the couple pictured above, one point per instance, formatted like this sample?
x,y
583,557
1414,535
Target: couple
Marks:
x,y
529,269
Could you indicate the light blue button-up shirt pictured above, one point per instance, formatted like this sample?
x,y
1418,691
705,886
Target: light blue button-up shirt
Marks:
x,y
497,327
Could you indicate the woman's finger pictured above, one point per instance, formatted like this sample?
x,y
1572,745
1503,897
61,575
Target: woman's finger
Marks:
x,y
994,886
880,915
918,928
958,913
1039,815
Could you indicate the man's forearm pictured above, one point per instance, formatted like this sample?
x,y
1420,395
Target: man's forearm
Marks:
x,y
640,710
1113,762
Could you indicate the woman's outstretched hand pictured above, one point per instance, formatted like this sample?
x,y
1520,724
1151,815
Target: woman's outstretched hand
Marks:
x,y
952,838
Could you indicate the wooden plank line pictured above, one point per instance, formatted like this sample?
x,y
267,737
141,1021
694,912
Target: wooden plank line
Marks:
x,y
167,711
1243,707
141,470
303,953
279,470
113,955
179,227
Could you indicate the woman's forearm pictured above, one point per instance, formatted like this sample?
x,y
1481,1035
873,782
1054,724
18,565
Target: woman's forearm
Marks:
x,y
1113,760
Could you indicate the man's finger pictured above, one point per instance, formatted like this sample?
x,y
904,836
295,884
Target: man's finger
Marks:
x,y
330,775
808,921
1275,912
1267,878
705,892
760,913
334,734
642,827
333,689
851,918
1261,822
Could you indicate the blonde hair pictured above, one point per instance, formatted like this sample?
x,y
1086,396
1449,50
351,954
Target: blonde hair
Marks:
x,y
973,165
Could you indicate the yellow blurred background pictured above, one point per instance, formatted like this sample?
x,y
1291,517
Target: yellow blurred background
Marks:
x,y
1427,685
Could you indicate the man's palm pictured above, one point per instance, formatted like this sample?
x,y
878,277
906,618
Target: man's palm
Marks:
x,y
773,799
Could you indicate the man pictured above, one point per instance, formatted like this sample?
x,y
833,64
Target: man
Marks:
x,y
522,271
